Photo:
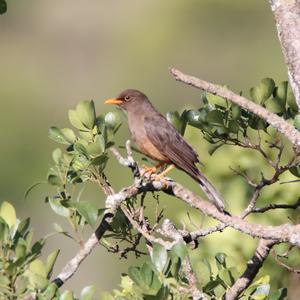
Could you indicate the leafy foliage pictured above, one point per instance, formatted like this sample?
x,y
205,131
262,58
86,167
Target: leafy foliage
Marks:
x,y
82,158
164,277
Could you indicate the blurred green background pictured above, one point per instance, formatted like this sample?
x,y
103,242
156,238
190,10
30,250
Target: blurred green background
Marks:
x,y
56,53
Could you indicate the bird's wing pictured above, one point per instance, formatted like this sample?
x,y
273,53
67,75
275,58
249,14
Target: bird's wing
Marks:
x,y
171,144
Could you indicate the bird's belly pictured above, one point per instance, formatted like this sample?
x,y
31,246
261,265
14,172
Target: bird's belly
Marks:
x,y
146,147
150,150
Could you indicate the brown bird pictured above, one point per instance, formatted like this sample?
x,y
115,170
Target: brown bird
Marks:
x,y
159,140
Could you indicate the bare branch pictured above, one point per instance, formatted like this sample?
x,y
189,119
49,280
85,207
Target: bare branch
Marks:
x,y
276,206
287,17
253,266
277,122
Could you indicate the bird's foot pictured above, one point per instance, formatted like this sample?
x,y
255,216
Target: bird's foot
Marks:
x,y
148,170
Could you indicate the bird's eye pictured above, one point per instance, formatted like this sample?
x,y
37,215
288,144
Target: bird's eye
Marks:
x,y
127,98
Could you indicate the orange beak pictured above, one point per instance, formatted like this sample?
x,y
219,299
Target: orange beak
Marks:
x,y
113,101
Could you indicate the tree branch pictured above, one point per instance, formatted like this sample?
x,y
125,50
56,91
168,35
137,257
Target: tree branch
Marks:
x,y
287,17
283,233
253,266
277,122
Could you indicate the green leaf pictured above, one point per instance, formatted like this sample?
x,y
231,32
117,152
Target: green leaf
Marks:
x,y
58,208
56,135
178,122
67,295
51,259
23,226
53,179
69,135
135,275
159,257
220,260
180,250
290,98
8,213
295,171
81,149
233,126
57,155
281,294
86,113
263,91
214,99
100,160
235,112
215,117
195,117
297,121
211,285
21,248
88,210
75,121
3,7
50,291
38,267
88,293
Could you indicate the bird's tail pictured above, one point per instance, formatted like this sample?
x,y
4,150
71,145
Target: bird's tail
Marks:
x,y
211,192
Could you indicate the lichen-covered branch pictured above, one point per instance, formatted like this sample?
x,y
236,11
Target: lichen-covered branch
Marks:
x,y
253,266
287,17
277,122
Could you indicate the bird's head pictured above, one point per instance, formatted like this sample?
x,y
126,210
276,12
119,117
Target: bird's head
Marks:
x,y
128,99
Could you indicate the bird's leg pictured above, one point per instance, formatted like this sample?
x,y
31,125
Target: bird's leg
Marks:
x,y
163,173
151,170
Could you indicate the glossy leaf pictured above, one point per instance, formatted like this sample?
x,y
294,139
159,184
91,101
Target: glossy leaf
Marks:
x,y
58,208
86,113
88,210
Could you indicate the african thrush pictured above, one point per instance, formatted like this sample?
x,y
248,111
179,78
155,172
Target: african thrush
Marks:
x,y
159,140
